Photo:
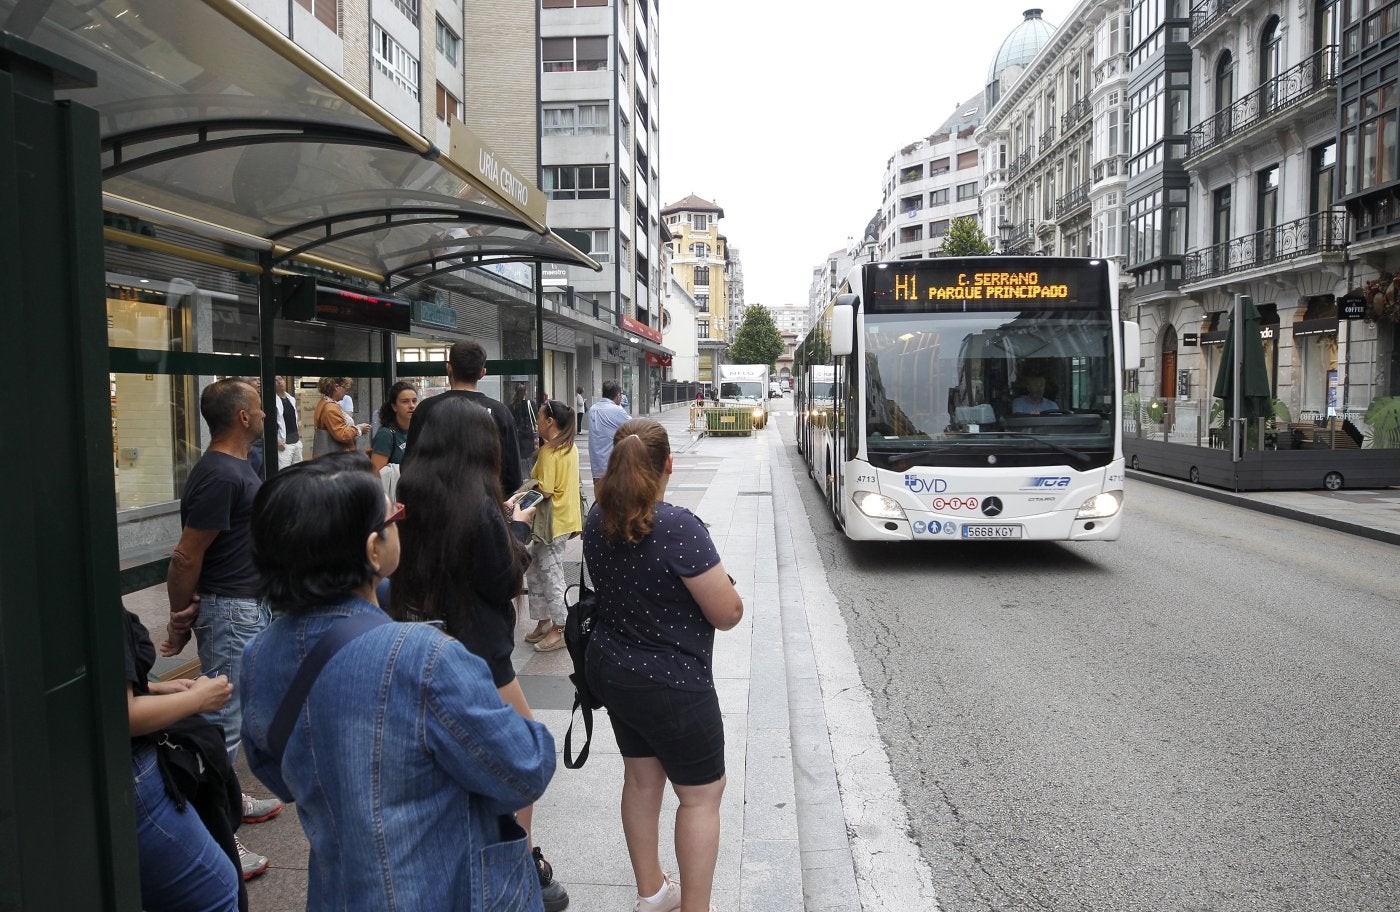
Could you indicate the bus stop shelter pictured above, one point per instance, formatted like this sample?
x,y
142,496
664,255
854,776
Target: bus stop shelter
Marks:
x,y
201,117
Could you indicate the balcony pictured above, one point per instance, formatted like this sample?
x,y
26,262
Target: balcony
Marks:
x,y
1321,232
1016,237
1287,90
1047,139
1204,15
1020,164
1075,115
1073,201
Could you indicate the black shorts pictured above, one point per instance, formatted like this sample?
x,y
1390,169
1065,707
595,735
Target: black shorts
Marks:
x,y
680,728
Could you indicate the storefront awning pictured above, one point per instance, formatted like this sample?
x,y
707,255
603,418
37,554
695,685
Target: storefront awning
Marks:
x,y
213,117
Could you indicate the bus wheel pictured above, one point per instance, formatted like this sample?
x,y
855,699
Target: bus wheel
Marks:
x,y
1195,475
1333,481
1135,462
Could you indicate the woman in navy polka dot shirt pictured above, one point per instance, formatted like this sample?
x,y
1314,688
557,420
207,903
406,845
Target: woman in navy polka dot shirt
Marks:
x,y
662,594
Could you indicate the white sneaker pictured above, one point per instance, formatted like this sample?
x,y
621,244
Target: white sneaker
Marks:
x,y
251,863
669,901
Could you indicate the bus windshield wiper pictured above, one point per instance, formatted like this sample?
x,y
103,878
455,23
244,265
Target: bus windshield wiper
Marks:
x,y
1057,447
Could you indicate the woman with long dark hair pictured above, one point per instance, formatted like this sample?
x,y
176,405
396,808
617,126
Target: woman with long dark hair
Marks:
x,y
662,594
391,440
462,563
405,766
556,470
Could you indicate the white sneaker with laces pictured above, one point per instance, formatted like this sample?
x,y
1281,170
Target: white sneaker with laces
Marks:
x,y
256,810
668,901
251,863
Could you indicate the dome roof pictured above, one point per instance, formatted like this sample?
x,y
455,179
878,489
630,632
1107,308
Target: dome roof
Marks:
x,y
1020,47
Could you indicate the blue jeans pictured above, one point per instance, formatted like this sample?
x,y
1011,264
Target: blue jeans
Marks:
x,y
225,625
182,867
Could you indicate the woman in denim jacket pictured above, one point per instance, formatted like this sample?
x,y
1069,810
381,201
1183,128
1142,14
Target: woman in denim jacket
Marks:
x,y
404,764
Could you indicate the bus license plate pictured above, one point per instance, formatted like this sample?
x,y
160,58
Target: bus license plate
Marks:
x,y
985,531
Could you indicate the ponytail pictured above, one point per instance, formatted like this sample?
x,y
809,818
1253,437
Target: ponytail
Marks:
x,y
627,494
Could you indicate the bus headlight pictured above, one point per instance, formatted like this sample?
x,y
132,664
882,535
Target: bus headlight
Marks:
x,y
877,506
757,414
1101,506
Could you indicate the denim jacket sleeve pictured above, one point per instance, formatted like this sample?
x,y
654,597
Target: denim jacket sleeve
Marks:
x,y
482,743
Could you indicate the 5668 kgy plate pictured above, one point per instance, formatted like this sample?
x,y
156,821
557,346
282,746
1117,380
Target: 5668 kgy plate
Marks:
x,y
985,530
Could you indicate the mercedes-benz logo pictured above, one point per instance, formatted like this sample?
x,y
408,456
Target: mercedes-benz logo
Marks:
x,y
991,506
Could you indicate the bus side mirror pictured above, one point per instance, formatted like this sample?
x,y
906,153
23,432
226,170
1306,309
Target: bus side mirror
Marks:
x,y
1132,346
843,325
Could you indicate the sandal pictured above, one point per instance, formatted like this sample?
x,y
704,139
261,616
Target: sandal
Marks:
x,y
534,636
545,645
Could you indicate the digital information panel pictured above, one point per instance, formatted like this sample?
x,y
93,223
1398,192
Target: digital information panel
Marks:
x,y
969,285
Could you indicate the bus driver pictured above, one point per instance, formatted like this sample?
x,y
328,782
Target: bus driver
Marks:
x,y
1033,402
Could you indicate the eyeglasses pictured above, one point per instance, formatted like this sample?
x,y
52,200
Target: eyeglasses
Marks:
x,y
395,515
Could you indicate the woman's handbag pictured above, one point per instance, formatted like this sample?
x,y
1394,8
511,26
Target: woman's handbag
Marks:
x,y
389,477
578,629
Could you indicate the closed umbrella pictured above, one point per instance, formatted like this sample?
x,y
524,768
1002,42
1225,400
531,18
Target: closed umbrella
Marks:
x,y
1244,379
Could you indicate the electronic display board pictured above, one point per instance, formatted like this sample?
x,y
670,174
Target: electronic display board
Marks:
x,y
990,284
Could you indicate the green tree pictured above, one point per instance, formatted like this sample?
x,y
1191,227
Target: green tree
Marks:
x,y
965,238
758,340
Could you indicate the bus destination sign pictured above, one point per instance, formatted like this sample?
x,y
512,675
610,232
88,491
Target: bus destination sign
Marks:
x,y
976,286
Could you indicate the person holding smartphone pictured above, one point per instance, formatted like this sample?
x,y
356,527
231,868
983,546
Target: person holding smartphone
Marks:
x,y
662,594
461,560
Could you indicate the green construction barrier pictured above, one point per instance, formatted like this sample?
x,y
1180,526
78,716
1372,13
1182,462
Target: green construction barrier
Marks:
x,y
728,421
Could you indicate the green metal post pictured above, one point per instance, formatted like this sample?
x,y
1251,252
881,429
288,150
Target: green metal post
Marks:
x,y
67,831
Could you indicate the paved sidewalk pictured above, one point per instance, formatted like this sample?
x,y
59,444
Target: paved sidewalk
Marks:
x,y
729,484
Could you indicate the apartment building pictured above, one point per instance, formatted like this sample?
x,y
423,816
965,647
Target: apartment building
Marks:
x,y
1054,142
930,182
734,289
599,149
700,261
1291,154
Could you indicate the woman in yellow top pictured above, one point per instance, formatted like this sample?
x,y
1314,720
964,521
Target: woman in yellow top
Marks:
x,y
556,469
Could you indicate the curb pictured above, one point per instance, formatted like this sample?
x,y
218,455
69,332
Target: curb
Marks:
x,y
1249,503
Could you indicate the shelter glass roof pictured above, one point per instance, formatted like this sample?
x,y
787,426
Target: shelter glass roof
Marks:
x,y
208,112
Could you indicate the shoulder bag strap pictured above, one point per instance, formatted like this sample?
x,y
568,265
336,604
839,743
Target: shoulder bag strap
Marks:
x,y
332,641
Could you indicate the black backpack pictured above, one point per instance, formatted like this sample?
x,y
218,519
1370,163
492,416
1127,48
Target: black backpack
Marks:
x,y
577,629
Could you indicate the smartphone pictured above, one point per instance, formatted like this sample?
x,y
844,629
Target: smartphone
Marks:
x,y
528,500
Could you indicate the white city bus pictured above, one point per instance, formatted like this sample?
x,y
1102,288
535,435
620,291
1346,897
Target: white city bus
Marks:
x,y
969,398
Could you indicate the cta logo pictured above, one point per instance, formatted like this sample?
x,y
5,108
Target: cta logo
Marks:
x,y
925,485
955,503
1047,482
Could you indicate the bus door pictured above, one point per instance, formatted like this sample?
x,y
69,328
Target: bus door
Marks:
x,y
843,419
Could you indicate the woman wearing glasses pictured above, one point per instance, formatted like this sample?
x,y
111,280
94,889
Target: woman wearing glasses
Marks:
x,y
405,766
556,470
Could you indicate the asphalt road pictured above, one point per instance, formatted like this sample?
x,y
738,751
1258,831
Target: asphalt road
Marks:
x,y
1199,716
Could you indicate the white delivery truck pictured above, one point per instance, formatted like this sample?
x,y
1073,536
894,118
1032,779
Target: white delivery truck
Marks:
x,y
745,385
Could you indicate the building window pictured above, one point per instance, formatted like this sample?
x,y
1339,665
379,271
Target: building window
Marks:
x,y
327,12
1224,82
596,242
937,229
1220,224
585,118
449,45
967,191
1323,190
570,4
700,251
910,204
408,7
911,234
938,197
702,276
448,107
565,182
394,61
574,55
700,221
702,328
1368,139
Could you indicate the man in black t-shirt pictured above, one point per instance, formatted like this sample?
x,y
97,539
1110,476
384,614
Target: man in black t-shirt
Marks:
x,y
466,364
212,583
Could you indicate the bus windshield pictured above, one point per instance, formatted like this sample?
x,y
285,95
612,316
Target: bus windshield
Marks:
x,y
954,388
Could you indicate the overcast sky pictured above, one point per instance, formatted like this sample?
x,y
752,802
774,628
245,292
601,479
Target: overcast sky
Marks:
x,y
785,116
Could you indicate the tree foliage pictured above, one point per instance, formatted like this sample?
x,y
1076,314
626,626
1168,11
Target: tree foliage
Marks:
x,y
758,340
965,238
